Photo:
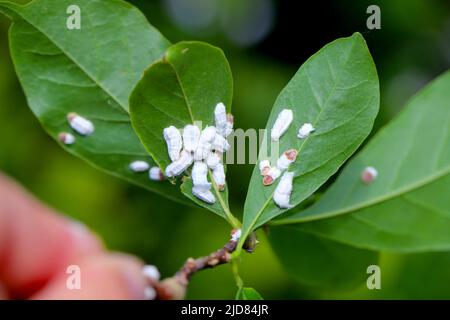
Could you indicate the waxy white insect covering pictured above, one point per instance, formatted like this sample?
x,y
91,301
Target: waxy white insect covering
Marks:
x,y
271,176
220,143
191,137
204,148
151,272
81,125
150,293
174,142
205,143
230,124
156,174
66,138
286,159
305,130
264,167
213,160
220,117
236,235
218,174
200,176
204,195
179,166
282,194
139,166
282,123
368,175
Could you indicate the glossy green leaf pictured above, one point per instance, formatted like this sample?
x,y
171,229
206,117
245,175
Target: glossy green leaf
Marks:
x,y
407,208
90,71
415,276
316,261
337,91
247,293
182,88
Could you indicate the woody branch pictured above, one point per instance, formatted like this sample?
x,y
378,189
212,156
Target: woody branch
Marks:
x,y
174,288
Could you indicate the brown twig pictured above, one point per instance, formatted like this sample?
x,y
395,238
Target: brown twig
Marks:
x,y
174,288
191,266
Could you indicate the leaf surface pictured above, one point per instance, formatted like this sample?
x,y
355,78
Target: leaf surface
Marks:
x,y
319,262
247,293
406,208
182,88
90,71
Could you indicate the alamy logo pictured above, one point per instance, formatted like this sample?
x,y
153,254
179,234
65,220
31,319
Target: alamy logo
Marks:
x,y
73,21
374,20
374,280
73,281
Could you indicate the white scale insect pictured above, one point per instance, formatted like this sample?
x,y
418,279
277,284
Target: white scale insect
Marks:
x,y
224,122
213,160
220,143
200,176
174,142
282,123
220,116
205,143
264,167
81,125
282,194
204,195
66,138
271,176
236,235
179,166
305,130
151,272
230,123
191,136
156,174
198,147
139,166
201,188
150,293
272,173
286,159
369,174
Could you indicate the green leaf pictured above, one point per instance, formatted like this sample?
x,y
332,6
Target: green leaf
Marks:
x,y
246,293
407,207
316,261
409,275
337,91
182,88
89,71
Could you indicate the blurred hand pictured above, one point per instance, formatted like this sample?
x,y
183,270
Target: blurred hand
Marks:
x,y
37,246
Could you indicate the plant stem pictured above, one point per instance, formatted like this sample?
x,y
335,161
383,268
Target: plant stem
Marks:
x,y
170,288
239,282
235,223
237,252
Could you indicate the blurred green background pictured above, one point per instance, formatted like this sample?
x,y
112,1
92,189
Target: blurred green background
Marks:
x,y
265,41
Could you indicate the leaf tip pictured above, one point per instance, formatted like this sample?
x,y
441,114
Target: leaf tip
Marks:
x,y
357,36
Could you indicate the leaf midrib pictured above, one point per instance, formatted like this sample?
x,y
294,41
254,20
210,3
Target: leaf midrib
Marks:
x,y
222,202
183,91
366,204
377,200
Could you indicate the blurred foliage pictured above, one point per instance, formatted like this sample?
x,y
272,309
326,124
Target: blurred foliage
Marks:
x,y
412,48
